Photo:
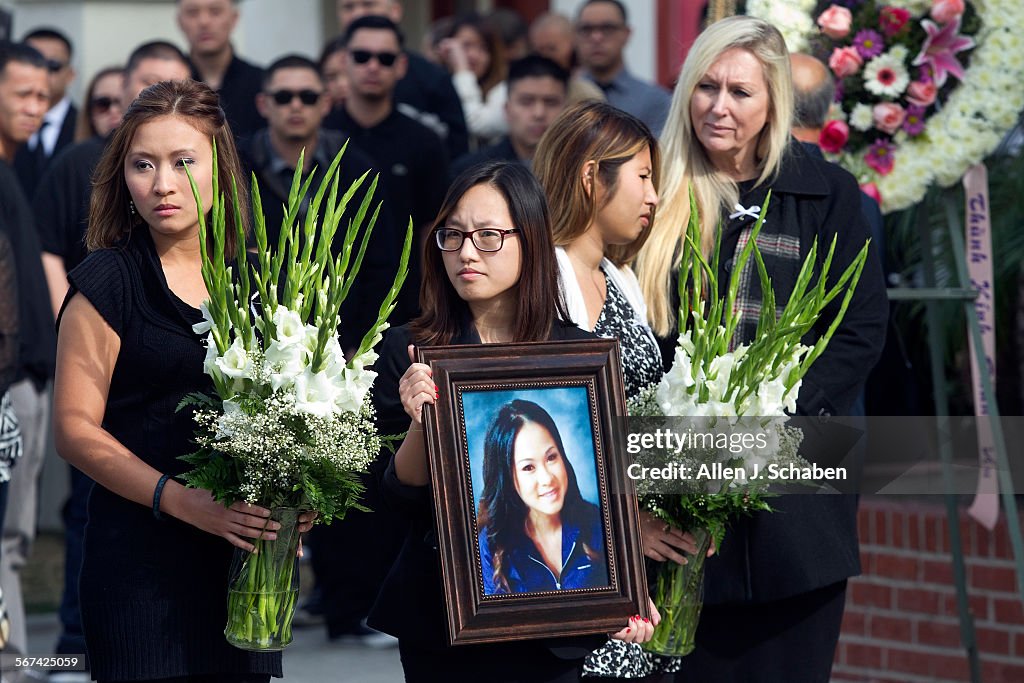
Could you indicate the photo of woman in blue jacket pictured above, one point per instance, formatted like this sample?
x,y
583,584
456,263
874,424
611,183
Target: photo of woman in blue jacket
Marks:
x,y
537,533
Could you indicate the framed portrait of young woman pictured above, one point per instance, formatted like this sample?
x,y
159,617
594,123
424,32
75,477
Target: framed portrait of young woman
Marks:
x,y
537,520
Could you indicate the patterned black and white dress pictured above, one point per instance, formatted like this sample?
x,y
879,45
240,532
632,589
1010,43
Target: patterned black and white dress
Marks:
x,y
641,360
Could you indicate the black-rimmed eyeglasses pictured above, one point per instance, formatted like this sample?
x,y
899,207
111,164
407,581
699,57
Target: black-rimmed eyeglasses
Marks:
x,y
484,239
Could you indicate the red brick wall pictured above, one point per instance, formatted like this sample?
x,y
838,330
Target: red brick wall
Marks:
x,y
901,623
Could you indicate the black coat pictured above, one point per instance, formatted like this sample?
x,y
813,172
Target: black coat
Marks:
x,y
810,541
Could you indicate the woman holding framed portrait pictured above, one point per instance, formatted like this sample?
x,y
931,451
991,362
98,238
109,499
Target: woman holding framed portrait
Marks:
x,y
488,277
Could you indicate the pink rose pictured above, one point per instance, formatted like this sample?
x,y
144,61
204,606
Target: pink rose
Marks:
x,y
945,11
889,117
835,22
833,137
871,190
845,61
892,19
921,93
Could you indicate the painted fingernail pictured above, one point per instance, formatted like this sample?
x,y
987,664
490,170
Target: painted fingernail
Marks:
x,y
628,630
646,620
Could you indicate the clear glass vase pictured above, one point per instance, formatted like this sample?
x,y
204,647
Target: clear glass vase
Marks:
x,y
678,593
263,588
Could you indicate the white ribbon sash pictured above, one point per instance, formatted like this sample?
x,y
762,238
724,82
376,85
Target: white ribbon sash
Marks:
x,y
978,226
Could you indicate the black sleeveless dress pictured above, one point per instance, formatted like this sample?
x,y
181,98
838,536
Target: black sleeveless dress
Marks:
x,y
153,592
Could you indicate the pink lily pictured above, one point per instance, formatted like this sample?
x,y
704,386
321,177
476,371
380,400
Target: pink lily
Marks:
x,y
940,48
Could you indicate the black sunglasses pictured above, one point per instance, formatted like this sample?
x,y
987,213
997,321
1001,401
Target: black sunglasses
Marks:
x,y
53,66
103,104
307,97
385,58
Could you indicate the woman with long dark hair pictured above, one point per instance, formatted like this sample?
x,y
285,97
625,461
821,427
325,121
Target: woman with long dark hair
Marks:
x,y
537,532
154,574
489,276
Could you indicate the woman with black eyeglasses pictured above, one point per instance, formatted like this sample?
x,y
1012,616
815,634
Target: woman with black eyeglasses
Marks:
x,y
489,276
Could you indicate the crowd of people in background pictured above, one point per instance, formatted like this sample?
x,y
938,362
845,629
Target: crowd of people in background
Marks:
x,y
481,89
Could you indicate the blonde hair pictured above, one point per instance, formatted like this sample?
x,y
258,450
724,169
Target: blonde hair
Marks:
x,y
685,163
585,132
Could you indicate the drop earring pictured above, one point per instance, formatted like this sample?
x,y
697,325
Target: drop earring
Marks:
x,y
131,208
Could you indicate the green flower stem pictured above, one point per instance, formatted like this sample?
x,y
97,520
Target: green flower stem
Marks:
x,y
261,598
678,595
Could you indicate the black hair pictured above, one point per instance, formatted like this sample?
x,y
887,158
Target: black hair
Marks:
x,y
443,313
332,47
48,33
155,49
20,53
291,61
535,66
374,22
621,6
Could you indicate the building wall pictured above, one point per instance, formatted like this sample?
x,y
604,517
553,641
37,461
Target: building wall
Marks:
x,y
901,622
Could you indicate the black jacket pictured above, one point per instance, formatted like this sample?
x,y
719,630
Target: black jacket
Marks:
x,y
380,264
27,165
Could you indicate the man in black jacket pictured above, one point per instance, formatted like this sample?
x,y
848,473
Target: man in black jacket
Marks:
x,y
294,104
24,98
58,128
207,25
426,92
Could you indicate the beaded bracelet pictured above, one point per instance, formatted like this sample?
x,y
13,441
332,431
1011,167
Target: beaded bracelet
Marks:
x,y
157,492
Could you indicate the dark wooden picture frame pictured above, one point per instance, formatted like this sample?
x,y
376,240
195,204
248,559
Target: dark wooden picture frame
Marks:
x,y
460,373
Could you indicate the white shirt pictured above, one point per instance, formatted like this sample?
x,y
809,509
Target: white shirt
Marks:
x,y
54,120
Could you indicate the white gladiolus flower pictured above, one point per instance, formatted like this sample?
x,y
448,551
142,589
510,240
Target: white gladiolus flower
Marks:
x,y
235,363
207,324
290,328
284,363
355,385
210,363
315,393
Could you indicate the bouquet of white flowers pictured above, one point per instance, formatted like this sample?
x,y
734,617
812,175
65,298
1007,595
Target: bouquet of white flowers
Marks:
x,y
291,425
729,390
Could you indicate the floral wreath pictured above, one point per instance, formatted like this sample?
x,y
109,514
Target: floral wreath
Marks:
x,y
907,134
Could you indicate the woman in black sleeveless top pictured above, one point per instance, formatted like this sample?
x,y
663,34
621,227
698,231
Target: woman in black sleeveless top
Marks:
x,y
155,567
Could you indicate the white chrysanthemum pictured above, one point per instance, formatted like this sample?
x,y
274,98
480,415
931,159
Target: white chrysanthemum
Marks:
x,y
862,117
886,76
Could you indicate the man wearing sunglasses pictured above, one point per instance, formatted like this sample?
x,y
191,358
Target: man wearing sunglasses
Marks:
x,y
425,92
58,128
412,159
293,101
414,166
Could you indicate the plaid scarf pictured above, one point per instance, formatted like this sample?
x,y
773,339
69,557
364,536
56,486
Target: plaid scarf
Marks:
x,y
779,244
